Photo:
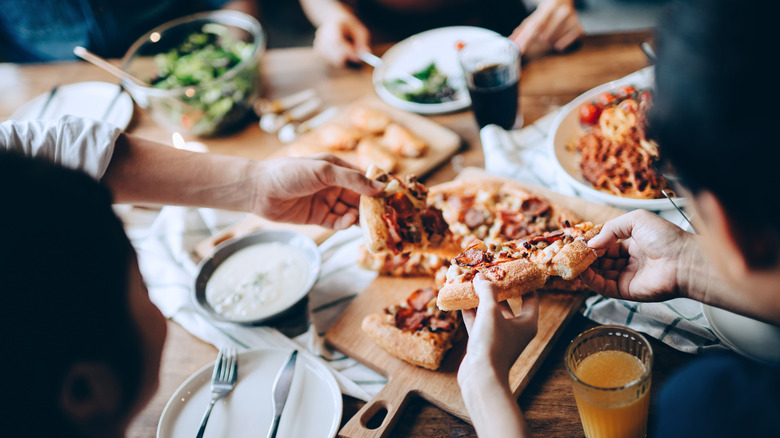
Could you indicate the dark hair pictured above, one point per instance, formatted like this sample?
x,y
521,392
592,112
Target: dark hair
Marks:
x,y
716,111
63,275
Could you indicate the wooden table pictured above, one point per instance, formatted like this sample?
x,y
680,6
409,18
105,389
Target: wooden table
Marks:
x,y
546,84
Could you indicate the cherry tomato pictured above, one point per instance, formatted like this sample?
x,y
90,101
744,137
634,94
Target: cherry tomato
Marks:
x,y
627,91
607,98
589,113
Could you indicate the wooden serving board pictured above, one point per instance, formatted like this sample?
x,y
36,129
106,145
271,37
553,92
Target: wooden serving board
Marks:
x,y
443,143
440,387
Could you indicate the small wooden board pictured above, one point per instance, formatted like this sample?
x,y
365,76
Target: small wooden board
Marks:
x,y
442,142
440,387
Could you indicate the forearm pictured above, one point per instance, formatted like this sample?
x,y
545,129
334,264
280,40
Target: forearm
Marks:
x,y
145,171
249,7
701,280
321,11
491,406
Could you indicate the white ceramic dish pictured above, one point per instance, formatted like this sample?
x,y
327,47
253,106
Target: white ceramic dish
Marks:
x,y
224,250
313,408
418,51
566,126
82,99
753,339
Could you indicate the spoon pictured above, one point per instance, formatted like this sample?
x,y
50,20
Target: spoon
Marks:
x,y
86,55
376,62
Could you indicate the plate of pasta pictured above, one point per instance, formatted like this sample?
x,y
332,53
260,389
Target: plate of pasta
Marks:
x,y
601,147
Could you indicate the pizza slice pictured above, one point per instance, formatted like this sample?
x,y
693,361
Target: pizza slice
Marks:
x,y
496,211
415,330
399,219
519,266
412,264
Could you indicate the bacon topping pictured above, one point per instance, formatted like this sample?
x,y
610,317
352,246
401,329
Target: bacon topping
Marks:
x,y
401,204
419,299
474,218
433,222
472,257
534,206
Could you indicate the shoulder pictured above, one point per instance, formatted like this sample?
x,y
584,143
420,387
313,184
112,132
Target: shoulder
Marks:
x,y
720,395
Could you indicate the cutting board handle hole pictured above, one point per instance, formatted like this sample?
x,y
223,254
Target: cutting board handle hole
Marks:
x,y
374,416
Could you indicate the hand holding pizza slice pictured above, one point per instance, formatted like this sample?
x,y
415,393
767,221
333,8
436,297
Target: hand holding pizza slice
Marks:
x,y
519,266
399,219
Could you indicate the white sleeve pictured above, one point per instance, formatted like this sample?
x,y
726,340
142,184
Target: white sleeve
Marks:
x,y
70,141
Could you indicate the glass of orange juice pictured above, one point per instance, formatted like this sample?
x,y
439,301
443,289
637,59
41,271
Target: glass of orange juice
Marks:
x,y
610,367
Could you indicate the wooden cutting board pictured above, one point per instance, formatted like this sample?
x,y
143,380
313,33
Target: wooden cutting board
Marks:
x,y
440,387
442,142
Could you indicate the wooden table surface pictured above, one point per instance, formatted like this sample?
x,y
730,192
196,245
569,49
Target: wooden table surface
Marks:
x,y
546,84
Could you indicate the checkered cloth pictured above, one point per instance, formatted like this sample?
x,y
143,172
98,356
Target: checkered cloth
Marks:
x,y
525,155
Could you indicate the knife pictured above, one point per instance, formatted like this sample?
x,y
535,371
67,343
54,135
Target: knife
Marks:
x,y
282,390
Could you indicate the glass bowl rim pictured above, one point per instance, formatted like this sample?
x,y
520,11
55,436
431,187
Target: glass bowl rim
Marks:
x,y
232,18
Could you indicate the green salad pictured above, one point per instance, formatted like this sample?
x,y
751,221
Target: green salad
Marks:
x,y
435,89
198,62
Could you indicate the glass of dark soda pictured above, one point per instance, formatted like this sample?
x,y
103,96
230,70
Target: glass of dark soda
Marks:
x,y
491,68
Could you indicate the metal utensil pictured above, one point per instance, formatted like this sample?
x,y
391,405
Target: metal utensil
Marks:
x,y
282,386
86,55
113,102
223,380
272,122
679,210
648,50
265,106
376,62
48,101
292,130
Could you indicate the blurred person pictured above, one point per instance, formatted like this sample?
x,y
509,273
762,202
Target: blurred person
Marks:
x,y
347,27
77,314
46,30
723,151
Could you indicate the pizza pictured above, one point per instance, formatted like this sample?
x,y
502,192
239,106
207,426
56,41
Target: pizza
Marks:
x,y
518,266
411,264
496,211
399,219
415,330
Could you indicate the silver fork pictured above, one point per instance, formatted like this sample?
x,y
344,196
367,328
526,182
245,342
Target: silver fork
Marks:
x,y
223,379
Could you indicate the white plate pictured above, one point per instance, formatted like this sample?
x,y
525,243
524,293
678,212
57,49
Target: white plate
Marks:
x,y
566,127
417,52
82,99
753,339
313,408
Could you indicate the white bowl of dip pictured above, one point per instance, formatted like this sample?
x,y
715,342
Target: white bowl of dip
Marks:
x,y
258,277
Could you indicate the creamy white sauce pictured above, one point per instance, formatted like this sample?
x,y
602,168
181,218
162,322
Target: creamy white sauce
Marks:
x,y
258,281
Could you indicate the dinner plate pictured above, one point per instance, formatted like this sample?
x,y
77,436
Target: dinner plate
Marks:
x,y
566,127
83,99
417,52
313,408
756,340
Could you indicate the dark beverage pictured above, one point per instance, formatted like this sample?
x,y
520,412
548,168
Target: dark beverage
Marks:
x,y
494,95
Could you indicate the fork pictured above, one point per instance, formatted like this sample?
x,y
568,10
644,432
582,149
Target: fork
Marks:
x,y
223,379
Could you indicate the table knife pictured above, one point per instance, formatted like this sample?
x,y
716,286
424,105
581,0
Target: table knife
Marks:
x,y
282,386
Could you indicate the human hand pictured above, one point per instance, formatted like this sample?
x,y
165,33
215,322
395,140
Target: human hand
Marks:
x,y
553,25
646,258
496,335
340,38
321,190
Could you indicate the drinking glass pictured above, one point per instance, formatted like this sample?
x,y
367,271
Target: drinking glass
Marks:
x,y
491,68
610,367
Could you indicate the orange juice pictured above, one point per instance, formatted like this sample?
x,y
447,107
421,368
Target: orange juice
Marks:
x,y
608,407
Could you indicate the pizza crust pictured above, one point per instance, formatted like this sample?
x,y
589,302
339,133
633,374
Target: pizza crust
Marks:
x,y
511,279
413,347
374,228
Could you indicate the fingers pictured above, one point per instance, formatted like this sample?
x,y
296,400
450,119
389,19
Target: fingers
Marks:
x,y
468,318
485,290
615,229
599,284
530,308
344,177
